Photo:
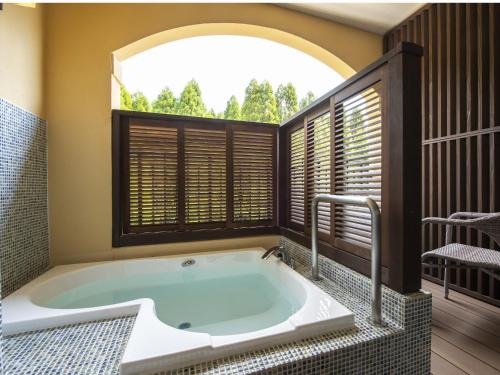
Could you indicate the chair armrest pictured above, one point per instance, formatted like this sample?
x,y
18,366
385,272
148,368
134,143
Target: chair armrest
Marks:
x,y
456,222
468,215
450,223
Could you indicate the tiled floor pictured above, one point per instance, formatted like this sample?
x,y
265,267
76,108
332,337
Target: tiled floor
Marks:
x,y
465,334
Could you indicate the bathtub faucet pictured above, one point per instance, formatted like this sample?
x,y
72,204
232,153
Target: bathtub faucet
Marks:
x,y
376,265
280,253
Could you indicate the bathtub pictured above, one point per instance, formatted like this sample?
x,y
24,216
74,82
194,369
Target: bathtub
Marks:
x,y
190,308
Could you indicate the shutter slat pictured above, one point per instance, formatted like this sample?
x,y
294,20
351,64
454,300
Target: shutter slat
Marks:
x,y
205,176
358,129
252,176
296,173
319,168
152,175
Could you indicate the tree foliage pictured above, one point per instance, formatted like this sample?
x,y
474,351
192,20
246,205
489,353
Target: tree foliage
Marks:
x,y
260,104
191,102
165,102
125,98
286,100
140,103
233,110
308,99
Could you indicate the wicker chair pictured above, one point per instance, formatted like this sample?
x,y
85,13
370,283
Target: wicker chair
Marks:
x,y
466,256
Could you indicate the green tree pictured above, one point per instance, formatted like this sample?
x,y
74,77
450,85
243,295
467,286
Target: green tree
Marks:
x,y
125,98
211,114
233,110
306,100
140,102
260,103
286,98
191,103
165,102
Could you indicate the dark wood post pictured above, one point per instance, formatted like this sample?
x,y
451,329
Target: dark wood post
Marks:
x,y
401,179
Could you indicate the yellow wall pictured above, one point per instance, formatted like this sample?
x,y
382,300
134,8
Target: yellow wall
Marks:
x,y
80,42
21,57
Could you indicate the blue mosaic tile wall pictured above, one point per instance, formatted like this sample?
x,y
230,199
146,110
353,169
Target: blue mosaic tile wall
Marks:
x,y
24,238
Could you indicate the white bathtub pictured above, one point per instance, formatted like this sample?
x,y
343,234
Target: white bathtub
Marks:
x,y
225,303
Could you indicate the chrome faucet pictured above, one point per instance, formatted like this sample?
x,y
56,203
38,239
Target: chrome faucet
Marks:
x,y
376,298
281,253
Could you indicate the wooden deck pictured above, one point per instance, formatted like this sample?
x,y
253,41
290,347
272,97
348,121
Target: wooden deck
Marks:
x,y
465,334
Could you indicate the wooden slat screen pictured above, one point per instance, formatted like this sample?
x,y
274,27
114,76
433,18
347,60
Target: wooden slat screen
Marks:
x,y
318,175
179,178
460,78
152,177
253,179
205,176
358,162
296,176
361,138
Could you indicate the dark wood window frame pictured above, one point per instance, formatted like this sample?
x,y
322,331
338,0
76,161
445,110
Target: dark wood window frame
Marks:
x,y
124,235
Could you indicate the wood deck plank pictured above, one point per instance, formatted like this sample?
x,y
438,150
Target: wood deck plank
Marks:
x,y
478,307
462,326
460,358
471,317
465,334
468,345
440,366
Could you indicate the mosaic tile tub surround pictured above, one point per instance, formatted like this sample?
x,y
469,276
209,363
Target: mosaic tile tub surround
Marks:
x,y
24,236
403,347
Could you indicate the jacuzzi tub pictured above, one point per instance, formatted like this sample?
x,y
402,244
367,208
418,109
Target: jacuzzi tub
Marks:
x,y
189,308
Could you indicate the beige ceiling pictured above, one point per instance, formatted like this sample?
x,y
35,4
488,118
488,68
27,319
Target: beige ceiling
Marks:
x,y
375,17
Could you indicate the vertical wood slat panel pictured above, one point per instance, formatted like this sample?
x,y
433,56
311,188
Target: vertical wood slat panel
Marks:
x,y
460,121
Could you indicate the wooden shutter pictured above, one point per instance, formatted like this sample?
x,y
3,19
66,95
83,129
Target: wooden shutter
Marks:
x,y
253,175
358,157
152,176
318,168
205,176
178,178
296,176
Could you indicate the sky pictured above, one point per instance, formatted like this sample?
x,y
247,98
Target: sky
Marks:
x,y
223,66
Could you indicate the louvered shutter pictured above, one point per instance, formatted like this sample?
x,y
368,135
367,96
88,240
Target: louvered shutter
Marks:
x,y
152,176
318,168
296,176
253,175
358,157
205,176
178,178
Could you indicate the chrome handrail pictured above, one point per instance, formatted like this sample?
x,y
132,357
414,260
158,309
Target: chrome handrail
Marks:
x,y
376,261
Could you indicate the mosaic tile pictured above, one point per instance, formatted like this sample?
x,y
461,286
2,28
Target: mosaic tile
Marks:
x,y
94,348
24,236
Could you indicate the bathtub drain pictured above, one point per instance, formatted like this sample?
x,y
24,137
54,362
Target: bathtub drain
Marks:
x,y
188,262
184,325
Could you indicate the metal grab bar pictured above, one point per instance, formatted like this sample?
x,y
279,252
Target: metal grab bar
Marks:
x,y
376,261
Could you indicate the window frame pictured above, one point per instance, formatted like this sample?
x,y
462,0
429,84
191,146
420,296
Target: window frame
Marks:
x,y
121,233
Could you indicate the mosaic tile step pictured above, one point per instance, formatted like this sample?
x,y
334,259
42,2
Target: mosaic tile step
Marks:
x,y
93,348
